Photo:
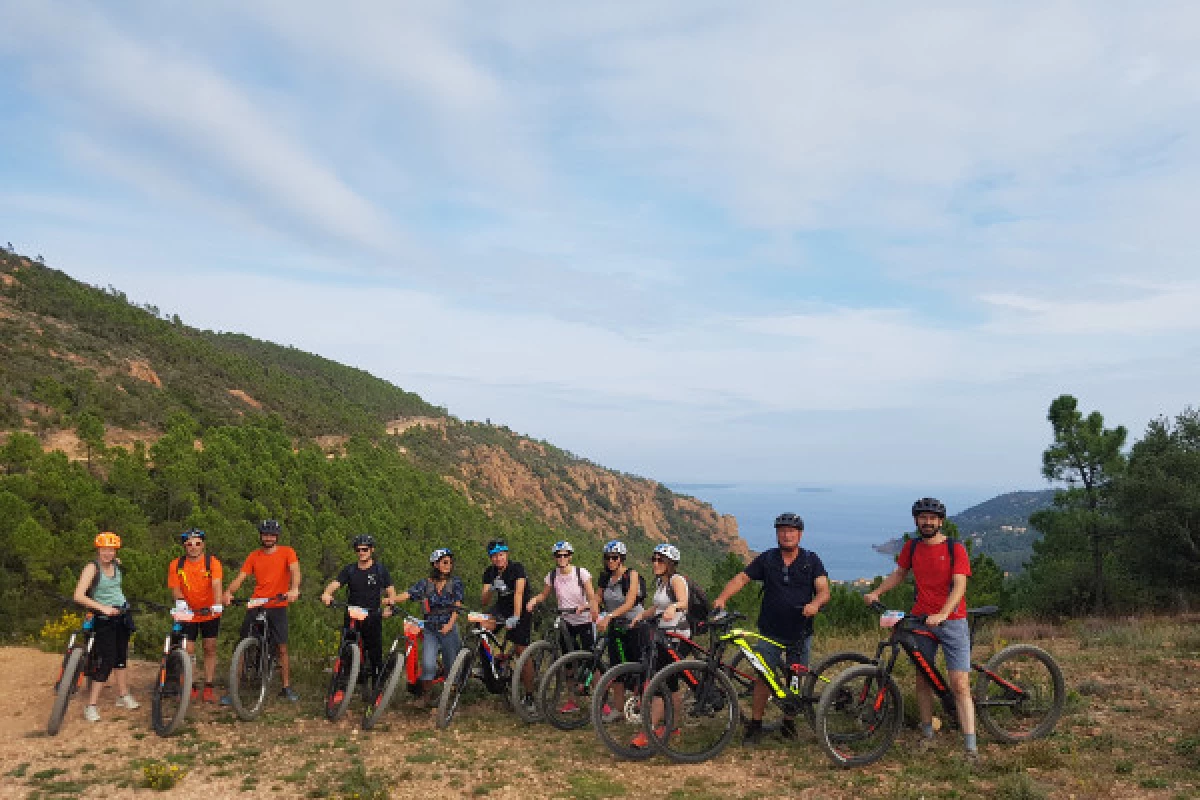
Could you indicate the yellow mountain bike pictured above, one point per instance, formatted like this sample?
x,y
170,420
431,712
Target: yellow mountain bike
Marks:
x,y
701,722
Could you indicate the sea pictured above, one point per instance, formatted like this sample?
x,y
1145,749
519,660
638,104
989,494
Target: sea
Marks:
x,y
841,523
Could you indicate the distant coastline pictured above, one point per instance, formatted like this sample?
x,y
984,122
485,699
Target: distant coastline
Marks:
x,y
687,487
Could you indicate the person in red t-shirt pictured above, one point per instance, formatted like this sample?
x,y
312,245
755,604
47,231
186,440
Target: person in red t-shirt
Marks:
x,y
276,571
941,594
195,581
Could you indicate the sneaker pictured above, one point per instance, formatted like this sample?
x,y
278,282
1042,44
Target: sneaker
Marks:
x,y
925,744
530,704
753,733
971,759
788,729
641,740
91,713
288,693
226,700
195,694
127,701
568,707
338,696
609,714
208,696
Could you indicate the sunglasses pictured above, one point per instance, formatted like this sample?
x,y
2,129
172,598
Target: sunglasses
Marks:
x,y
612,558
363,549
659,559
562,555
194,541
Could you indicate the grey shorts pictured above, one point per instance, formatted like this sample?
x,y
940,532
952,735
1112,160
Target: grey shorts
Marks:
x,y
797,652
954,637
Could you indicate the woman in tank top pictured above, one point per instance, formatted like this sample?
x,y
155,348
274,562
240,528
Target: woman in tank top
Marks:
x,y
620,595
670,605
99,591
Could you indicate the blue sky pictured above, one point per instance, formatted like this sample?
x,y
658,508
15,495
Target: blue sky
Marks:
x,y
785,242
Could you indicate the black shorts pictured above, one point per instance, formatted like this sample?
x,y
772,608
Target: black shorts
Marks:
x,y
523,633
277,620
202,630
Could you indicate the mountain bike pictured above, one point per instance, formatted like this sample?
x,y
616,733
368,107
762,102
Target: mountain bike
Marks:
x,y
495,666
348,662
1018,694
617,699
399,664
253,661
565,690
173,684
73,671
705,720
539,656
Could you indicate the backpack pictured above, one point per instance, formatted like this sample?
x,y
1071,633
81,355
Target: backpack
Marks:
x,y
911,546
625,581
207,565
96,578
698,605
578,577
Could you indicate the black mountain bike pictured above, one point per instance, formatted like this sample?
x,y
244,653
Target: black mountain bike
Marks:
x,y
539,656
495,666
565,691
704,721
173,684
348,662
73,671
1019,693
253,662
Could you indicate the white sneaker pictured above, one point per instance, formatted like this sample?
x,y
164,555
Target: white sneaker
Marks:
x,y
91,713
127,701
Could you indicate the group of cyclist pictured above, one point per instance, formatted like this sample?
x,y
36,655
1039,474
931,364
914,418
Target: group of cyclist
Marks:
x,y
795,586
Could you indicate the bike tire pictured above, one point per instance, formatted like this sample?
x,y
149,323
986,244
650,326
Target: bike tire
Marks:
x,y
249,674
540,655
859,715
615,733
557,688
67,685
822,675
1031,713
710,712
389,682
343,679
452,689
172,692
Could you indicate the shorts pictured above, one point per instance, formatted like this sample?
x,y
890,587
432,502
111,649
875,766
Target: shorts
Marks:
x,y
110,648
277,621
202,630
580,637
796,652
954,636
523,633
622,646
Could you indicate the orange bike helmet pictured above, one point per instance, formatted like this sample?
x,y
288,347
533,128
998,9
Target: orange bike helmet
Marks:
x,y
108,539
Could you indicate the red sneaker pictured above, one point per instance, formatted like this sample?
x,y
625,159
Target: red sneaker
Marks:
x,y
337,697
568,707
209,697
195,693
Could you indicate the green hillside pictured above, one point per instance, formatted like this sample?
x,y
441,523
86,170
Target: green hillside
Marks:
x,y
115,417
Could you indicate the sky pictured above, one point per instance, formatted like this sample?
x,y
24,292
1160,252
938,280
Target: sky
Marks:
x,y
782,242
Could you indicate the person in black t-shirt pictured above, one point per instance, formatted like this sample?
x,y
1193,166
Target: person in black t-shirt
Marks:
x,y
369,586
504,582
795,586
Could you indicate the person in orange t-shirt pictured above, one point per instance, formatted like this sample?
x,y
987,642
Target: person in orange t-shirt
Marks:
x,y
276,571
195,581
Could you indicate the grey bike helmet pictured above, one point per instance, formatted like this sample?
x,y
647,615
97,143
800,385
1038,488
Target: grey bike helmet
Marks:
x,y
789,520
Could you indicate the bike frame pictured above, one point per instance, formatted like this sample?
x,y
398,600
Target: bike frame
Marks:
x,y
88,631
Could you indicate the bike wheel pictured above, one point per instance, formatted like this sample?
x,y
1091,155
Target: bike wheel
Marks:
x,y
249,673
1020,694
452,689
389,681
617,710
565,691
702,721
822,676
172,692
539,655
343,681
859,715
68,683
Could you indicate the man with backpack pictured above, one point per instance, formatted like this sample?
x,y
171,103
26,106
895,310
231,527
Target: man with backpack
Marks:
x,y
795,587
195,582
940,568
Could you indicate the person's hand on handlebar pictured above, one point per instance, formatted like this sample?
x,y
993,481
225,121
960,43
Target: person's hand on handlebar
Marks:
x,y
512,622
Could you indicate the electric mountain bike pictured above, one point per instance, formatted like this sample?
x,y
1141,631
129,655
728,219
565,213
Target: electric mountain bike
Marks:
x,y
703,720
1018,694
399,664
540,655
344,675
565,690
494,668
173,684
253,662
72,672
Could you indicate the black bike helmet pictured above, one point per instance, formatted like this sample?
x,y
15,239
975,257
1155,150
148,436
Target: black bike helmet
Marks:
x,y
191,533
929,505
363,540
497,546
790,520
269,526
